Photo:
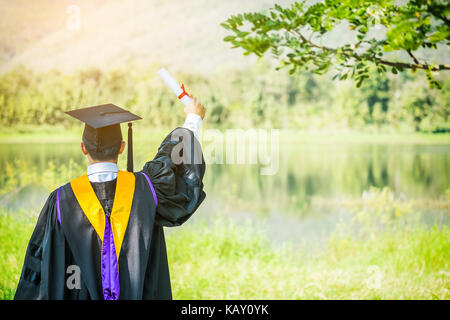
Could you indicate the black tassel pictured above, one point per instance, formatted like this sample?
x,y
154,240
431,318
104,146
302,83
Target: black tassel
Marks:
x,y
130,148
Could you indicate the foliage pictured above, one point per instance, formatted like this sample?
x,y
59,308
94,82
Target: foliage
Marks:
x,y
257,96
381,209
294,35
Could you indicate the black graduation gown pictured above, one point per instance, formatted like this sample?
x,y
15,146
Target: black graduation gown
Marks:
x,y
143,265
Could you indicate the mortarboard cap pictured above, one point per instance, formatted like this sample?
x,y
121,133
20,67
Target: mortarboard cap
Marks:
x,y
102,127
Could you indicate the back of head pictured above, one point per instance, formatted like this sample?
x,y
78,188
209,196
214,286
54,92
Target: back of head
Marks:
x,y
103,143
102,137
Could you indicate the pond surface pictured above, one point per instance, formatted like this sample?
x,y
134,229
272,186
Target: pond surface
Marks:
x,y
301,201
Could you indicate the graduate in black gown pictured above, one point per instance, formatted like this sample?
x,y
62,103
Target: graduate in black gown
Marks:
x,y
101,235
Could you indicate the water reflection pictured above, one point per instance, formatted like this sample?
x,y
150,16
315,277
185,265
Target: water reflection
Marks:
x,y
308,174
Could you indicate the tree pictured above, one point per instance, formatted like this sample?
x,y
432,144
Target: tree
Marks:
x,y
294,36
420,104
376,91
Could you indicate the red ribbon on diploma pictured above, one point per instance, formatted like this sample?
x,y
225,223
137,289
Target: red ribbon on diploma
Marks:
x,y
184,93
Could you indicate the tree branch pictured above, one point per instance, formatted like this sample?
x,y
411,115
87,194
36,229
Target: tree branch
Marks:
x,y
415,65
311,43
412,57
439,67
437,14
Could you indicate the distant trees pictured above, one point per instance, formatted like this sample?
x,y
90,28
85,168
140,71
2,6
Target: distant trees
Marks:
x,y
294,36
376,92
421,104
256,96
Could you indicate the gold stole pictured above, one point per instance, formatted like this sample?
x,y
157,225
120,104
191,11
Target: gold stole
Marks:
x,y
93,210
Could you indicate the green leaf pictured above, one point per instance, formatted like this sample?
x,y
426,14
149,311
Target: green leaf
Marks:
x,y
363,29
229,38
439,36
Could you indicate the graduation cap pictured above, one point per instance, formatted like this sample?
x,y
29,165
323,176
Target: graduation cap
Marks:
x,y
102,127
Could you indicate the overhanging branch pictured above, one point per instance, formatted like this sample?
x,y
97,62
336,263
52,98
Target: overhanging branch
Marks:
x,y
415,65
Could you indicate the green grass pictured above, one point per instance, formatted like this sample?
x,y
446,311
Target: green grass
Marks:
x,y
52,134
15,232
229,261
60,134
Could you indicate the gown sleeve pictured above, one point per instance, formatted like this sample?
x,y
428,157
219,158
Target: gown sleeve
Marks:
x,y
178,184
43,258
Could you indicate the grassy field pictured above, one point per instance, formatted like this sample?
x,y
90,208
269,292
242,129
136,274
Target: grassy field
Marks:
x,y
52,134
229,261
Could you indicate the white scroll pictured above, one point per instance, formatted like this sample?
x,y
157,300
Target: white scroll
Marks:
x,y
174,86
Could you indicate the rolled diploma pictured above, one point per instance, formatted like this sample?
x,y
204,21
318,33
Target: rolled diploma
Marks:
x,y
173,85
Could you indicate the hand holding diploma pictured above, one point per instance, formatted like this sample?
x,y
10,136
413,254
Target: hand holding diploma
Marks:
x,y
175,87
196,108
191,104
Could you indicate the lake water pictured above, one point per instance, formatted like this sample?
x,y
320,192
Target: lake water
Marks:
x,y
302,201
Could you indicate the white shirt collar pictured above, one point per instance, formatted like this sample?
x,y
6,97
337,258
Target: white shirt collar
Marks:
x,y
102,171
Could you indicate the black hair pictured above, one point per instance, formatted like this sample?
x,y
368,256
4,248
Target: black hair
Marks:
x,y
103,143
109,153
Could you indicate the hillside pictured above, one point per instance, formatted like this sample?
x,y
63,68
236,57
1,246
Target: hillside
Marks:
x,y
112,33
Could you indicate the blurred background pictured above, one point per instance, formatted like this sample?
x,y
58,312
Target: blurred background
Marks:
x,y
353,161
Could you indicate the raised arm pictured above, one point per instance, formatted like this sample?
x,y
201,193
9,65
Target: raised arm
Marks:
x,y
177,170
